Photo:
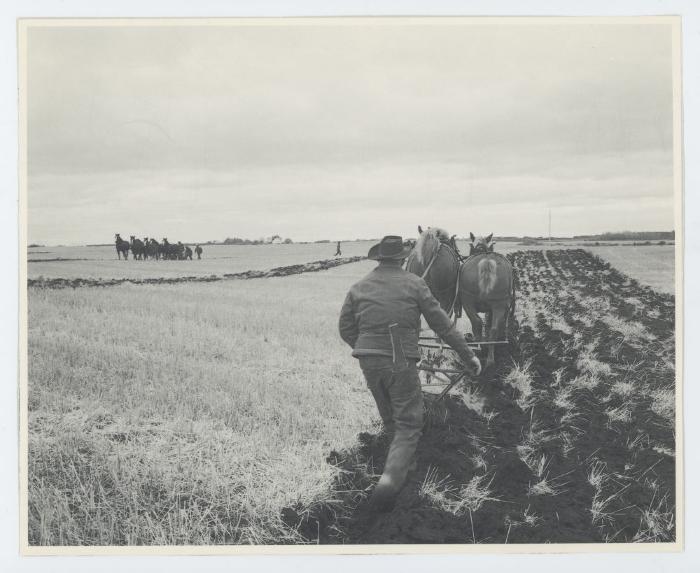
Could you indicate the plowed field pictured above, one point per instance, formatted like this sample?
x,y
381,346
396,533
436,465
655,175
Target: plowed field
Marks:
x,y
570,438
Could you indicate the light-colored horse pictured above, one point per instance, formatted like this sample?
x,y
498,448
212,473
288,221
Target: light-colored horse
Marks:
x,y
486,285
435,259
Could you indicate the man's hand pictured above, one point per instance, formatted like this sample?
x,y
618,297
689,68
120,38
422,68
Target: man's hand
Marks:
x,y
475,366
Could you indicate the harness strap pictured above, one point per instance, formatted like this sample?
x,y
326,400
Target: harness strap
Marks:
x,y
432,260
459,258
454,300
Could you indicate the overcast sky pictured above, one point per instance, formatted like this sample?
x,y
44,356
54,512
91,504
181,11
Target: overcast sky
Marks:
x,y
348,130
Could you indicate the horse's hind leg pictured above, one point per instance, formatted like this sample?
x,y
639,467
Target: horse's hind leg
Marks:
x,y
496,330
489,321
476,322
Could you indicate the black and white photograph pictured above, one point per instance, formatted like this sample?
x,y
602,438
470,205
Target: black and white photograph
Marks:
x,y
351,284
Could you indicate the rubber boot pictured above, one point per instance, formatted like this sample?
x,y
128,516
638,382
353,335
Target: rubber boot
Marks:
x,y
389,486
384,495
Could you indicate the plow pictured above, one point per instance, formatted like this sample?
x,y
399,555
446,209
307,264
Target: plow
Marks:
x,y
432,364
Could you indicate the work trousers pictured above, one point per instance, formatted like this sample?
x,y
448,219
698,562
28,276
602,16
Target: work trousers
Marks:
x,y
400,403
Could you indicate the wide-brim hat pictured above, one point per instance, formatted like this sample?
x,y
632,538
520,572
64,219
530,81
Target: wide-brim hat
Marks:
x,y
390,247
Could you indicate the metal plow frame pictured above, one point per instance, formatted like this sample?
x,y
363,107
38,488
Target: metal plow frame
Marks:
x,y
449,377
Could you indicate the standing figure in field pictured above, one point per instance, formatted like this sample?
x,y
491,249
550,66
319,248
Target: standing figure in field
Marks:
x,y
122,246
188,252
435,259
179,251
198,250
380,320
337,250
137,248
486,285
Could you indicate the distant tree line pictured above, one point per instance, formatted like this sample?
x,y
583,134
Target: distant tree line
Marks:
x,y
276,239
630,236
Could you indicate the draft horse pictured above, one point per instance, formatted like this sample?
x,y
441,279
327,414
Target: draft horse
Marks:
x,y
435,259
486,285
122,246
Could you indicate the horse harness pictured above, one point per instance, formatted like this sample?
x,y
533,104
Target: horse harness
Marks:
x,y
460,261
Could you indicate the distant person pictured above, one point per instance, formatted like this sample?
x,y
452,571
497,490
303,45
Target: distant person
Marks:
x,y
188,253
337,250
199,251
390,296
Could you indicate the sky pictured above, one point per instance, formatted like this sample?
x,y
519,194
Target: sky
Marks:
x,y
348,130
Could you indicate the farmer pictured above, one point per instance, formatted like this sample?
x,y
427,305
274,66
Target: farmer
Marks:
x,y
198,250
390,295
337,250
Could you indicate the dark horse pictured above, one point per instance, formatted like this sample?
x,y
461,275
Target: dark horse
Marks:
x,y
137,248
153,249
486,285
122,246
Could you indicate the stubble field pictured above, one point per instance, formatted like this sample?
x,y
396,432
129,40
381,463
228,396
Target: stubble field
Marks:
x,y
230,412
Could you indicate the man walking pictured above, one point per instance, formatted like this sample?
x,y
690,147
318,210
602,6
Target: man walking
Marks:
x,y
337,250
390,296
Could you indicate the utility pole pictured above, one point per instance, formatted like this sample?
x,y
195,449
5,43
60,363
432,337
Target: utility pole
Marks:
x,y
550,226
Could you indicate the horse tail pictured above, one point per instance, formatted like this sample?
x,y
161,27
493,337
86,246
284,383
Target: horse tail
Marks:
x,y
487,276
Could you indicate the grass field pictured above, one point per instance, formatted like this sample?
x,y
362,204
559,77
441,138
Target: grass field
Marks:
x,y
231,412
651,265
186,414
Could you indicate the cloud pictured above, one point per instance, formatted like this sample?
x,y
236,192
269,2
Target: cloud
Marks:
x,y
263,125
311,202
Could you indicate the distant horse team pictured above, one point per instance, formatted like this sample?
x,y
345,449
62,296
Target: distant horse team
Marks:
x,y
149,248
479,282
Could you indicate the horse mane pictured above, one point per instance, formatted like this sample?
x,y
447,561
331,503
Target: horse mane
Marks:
x,y
429,242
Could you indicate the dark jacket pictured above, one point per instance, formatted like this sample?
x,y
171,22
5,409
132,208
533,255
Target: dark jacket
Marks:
x,y
389,295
